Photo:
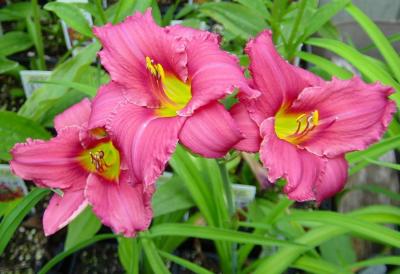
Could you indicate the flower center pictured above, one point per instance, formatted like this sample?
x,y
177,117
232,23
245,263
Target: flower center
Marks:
x,y
103,159
295,127
172,93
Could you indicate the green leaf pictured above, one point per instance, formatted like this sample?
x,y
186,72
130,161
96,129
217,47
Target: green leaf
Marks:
x,y
185,263
123,8
318,266
280,261
388,260
391,38
361,62
257,6
338,250
267,220
86,89
323,15
72,16
15,129
169,14
183,165
211,203
214,233
13,42
55,260
156,13
152,255
82,228
35,32
384,164
7,65
378,190
7,207
171,196
129,254
39,106
15,11
238,19
325,64
364,229
378,37
285,256
10,222
59,105
358,158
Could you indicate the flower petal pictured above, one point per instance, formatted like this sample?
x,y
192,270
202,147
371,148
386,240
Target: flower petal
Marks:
x,y
192,34
62,210
299,167
125,48
356,115
213,73
125,208
248,128
277,80
333,179
210,132
146,140
76,115
50,163
104,103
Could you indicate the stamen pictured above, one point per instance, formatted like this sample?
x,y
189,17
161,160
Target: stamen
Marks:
x,y
172,93
98,161
315,117
150,66
305,123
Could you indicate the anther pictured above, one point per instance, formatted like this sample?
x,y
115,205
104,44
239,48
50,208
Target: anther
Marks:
x,y
97,159
305,123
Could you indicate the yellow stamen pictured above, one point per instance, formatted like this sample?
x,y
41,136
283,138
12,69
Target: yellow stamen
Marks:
x,y
295,127
103,159
174,93
150,66
315,117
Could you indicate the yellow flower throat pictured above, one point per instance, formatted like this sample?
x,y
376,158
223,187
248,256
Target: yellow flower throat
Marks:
x,y
295,127
172,93
103,159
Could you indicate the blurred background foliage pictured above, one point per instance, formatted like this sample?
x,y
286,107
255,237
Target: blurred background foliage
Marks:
x,y
199,226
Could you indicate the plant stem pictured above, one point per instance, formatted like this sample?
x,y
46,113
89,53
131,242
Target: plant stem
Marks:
x,y
38,34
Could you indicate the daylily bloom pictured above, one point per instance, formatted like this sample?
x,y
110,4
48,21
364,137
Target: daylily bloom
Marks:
x,y
166,83
89,168
302,126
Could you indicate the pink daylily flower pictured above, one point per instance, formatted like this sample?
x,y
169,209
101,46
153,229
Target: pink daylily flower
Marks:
x,y
302,126
166,83
89,168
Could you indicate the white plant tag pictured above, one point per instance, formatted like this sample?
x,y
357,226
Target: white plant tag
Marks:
x,y
243,194
28,78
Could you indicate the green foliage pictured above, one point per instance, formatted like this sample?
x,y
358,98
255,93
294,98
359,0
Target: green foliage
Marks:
x,y
72,16
16,129
13,42
82,228
7,65
38,106
13,219
129,252
241,21
196,201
